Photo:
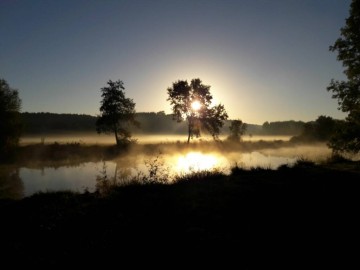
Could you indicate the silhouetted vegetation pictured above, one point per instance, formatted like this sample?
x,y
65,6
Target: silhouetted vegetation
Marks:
x,y
347,139
45,123
239,217
237,130
192,103
158,123
10,122
283,128
116,113
150,123
11,185
322,129
52,123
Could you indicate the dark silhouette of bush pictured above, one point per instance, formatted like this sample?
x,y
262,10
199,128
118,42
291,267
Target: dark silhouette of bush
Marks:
x,y
347,139
237,130
10,122
320,130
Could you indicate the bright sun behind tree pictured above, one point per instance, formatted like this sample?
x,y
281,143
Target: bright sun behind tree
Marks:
x,y
195,105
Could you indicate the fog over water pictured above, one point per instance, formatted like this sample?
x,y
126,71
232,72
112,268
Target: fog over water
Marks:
x,y
172,156
93,138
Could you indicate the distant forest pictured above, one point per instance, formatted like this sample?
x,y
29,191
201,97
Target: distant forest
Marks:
x,y
150,123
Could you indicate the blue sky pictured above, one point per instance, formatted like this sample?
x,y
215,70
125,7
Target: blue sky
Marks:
x,y
264,60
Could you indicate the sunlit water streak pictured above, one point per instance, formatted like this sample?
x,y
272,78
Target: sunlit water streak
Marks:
x,y
196,161
83,177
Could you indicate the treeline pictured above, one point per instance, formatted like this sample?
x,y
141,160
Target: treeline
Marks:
x,y
283,128
53,122
150,123
323,129
44,122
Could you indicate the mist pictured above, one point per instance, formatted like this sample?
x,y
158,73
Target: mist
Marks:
x,y
108,139
73,161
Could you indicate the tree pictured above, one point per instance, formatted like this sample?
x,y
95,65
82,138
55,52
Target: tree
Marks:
x,y
10,122
237,129
117,112
192,103
322,129
347,138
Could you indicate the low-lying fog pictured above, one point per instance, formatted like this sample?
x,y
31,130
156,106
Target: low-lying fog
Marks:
x,y
93,138
169,159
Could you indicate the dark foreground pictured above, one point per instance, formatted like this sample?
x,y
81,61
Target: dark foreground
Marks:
x,y
302,217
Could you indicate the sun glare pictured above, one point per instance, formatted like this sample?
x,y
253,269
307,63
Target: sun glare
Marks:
x,y
196,161
196,105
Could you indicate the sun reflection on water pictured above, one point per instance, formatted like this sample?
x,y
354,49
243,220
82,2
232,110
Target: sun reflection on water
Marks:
x,y
196,161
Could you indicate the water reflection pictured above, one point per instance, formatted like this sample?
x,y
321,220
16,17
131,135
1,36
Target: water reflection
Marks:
x,y
75,178
256,159
197,161
11,186
20,182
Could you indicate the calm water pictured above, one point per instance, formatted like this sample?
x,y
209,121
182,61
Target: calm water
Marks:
x,y
25,181
83,177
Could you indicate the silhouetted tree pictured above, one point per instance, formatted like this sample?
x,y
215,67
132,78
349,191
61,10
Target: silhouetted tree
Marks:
x,y
117,112
10,122
237,129
322,129
283,127
348,92
192,103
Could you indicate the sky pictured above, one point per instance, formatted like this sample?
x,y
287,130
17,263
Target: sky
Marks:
x,y
265,60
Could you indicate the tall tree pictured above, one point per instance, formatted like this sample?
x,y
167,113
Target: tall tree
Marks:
x,y
322,129
10,122
237,130
347,139
117,112
192,103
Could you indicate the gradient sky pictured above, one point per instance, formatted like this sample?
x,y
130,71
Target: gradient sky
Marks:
x,y
265,60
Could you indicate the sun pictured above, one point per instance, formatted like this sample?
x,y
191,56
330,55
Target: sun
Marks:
x,y
195,105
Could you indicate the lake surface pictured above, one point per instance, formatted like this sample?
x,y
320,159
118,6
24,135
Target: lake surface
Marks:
x,y
83,177
21,182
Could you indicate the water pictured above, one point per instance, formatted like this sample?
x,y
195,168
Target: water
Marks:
x,y
19,182
29,181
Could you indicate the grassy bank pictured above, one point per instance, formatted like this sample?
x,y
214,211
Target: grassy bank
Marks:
x,y
258,218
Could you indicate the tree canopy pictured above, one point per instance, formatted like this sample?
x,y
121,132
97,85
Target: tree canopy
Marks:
x,y
347,137
116,112
10,122
322,130
192,103
237,130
